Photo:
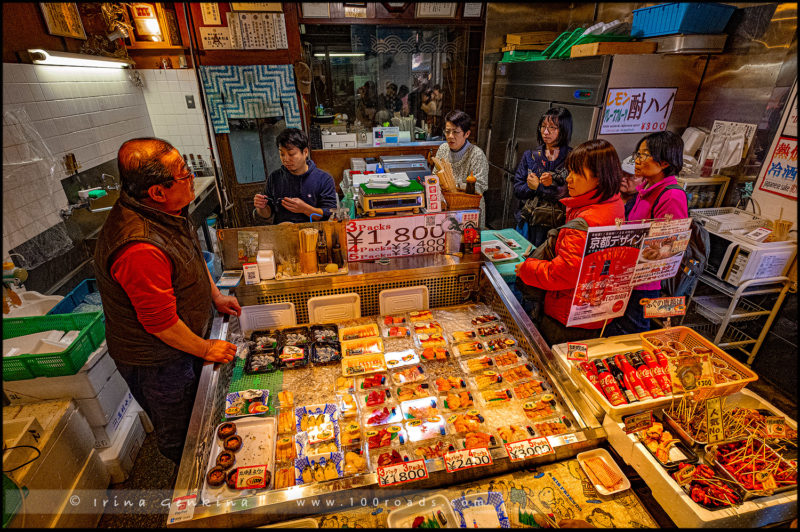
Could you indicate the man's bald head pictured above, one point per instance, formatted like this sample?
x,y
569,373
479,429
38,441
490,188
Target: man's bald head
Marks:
x,y
141,165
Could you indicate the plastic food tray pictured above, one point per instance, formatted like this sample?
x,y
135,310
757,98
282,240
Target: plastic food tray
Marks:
x,y
423,402
375,454
251,368
363,364
500,343
436,448
466,335
602,453
456,383
478,364
295,336
711,458
363,346
258,448
471,414
366,331
270,339
535,416
385,393
399,359
304,448
339,307
420,430
504,249
348,405
524,432
691,339
300,464
256,317
460,439
296,363
447,407
485,397
432,354
396,331
483,319
689,456
407,375
509,358
458,349
318,348
396,300
233,396
374,381
482,384
426,508
396,432
395,415
325,333
469,505
490,329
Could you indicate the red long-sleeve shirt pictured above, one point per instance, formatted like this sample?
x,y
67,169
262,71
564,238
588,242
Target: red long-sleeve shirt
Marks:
x,y
145,273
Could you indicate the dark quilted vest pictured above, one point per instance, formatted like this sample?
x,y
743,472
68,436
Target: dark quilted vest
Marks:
x,y
131,221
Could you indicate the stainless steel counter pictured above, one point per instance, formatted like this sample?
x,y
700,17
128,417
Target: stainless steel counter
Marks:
x,y
450,282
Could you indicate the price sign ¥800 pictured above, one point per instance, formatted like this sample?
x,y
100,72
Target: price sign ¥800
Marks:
x,y
467,458
402,473
521,450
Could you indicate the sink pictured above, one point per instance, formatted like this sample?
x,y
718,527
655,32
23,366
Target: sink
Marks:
x,y
82,224
33,304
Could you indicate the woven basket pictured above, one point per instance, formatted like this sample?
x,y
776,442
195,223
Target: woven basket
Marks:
x,y
461,200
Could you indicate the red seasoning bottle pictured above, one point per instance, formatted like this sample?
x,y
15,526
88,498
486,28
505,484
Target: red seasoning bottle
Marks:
x,y
590,371
621,380
609,384
647,378
661,376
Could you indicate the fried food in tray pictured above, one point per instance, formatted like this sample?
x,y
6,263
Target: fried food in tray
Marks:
x,y
431,354
484,318
455,400
507,359
519,373
412,391
530,388
514,433
551,427
350,433
477,364
491,330
492,398
540,408
477,439
463,422
355,462
485,380
446,384
463,336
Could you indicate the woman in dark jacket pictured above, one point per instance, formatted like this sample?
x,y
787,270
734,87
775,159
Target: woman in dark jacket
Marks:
x,y
540,174
593,187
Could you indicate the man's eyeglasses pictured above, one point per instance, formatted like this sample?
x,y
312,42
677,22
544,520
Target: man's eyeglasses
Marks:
x,y
641,156
448,132
187,176
544,128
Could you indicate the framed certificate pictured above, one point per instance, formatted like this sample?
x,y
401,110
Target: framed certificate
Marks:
x,y
316,9
63,19
436,10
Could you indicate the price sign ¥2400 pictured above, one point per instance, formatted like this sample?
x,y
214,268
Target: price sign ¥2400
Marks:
x,y
467,458
402,473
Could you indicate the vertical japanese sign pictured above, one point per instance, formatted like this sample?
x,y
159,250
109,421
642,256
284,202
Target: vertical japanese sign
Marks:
x,y
210,12
604,282
637,110
779,175
662,251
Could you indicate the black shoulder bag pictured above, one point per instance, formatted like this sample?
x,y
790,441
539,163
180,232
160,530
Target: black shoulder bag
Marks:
x,y
546,212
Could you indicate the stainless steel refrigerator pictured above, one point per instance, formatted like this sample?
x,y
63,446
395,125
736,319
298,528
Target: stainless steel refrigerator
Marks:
x,y
524,91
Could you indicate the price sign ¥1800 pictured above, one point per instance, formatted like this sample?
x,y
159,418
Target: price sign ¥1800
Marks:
x,y
521,450
467,458
402,473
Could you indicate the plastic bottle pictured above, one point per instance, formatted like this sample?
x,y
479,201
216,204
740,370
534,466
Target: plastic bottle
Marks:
x,y
591,375
661,376
620,378
322,250
336,251
609,384
635,383
647,377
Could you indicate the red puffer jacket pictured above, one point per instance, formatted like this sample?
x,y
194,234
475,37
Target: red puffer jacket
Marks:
x,y
560,275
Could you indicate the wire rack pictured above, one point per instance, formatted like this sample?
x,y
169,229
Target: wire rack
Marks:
x,y
714,309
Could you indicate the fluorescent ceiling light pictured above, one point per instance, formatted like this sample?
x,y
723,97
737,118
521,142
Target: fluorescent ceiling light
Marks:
x,y
48,57
341,54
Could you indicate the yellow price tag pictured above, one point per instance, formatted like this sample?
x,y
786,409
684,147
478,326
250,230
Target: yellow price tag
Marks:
x,y
716,431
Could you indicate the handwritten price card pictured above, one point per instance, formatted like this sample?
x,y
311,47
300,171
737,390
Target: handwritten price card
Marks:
x,y
638,422
775,427
576,351
522,450
252,477
467,458
714,420
402,473
663,307
684,476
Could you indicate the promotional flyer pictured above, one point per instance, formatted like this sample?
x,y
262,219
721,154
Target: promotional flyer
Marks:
x,y
604,283
662,251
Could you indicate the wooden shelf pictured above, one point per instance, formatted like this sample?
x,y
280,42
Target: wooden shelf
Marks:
x,y
158,46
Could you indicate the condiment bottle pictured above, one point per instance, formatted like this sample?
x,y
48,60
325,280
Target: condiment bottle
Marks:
x,y
322,250
616,372
470,188
336,251
609,384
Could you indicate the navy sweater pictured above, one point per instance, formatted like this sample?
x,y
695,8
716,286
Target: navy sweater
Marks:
x,y
315,187
535,161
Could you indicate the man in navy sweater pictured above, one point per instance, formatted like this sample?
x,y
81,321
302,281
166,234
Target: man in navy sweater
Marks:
x,y
298,188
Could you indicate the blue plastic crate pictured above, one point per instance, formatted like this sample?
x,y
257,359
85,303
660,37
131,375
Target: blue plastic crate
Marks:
x,y
75,298
680,17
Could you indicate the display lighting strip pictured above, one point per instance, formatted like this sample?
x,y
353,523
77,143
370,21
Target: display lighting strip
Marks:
x,y
47,57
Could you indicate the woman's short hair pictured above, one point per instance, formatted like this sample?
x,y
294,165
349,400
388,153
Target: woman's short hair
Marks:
x,y
600,158
460,119
292,137
562,118
665,147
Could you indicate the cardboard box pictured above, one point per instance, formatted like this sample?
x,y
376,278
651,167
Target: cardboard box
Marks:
x,y
612,48
93,476
121,455
99,409
103,436
85,384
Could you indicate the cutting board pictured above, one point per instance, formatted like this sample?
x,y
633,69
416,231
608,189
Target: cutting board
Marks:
x,y
612,48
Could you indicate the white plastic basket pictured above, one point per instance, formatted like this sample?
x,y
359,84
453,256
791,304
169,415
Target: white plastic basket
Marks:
x,y
255,317
398,300
724,219
334,309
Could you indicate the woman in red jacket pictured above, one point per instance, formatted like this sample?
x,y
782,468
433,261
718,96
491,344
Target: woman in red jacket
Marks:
x,y
593,187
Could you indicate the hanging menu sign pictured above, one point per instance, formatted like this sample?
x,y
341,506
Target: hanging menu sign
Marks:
x,y
604,279
780,173
637,110
210,11
375,238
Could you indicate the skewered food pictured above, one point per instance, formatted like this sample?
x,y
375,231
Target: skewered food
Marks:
x,y
470,348
528,388
499,344
495,397
491,330
464,336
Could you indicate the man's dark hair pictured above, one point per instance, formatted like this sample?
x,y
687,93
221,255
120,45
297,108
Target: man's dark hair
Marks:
x,y
460,119
562,118
600,158
140,165
291,137
665,147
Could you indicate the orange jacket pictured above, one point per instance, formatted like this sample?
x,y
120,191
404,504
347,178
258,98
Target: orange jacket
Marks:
x,y
560,275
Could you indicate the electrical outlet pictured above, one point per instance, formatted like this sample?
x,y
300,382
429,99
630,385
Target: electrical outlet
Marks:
x,y
189,101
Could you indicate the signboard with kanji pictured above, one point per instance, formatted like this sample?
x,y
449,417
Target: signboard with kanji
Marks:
x,y
637,110
779,175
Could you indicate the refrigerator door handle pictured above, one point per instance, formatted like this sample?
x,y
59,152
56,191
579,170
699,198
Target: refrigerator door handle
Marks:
x,y
506,161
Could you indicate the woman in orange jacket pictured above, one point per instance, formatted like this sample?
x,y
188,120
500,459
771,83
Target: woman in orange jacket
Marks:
x,y
593,187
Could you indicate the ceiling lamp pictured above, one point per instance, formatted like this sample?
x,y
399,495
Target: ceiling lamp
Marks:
x,y
49,57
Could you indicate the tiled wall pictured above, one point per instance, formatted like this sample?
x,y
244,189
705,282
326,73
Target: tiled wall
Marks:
x,y
165,94
86,111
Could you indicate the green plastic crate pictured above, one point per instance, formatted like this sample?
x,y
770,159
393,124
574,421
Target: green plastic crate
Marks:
x,y
68,362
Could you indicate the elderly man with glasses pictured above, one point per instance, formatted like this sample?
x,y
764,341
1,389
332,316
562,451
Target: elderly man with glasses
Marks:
x,y
156,289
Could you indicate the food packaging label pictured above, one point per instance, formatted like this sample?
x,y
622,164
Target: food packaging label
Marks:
x,y
252,477
685,475
577,351
638,422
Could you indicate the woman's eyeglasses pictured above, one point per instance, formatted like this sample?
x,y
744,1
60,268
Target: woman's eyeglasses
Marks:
x,y
641,156
552,129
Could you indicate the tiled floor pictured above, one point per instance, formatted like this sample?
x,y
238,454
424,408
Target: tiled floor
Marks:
x,y
152,477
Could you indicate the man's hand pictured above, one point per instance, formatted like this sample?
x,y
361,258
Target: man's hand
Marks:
x,y
547,179
516,268
227,305
296,205
219,351
533,181
260,201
